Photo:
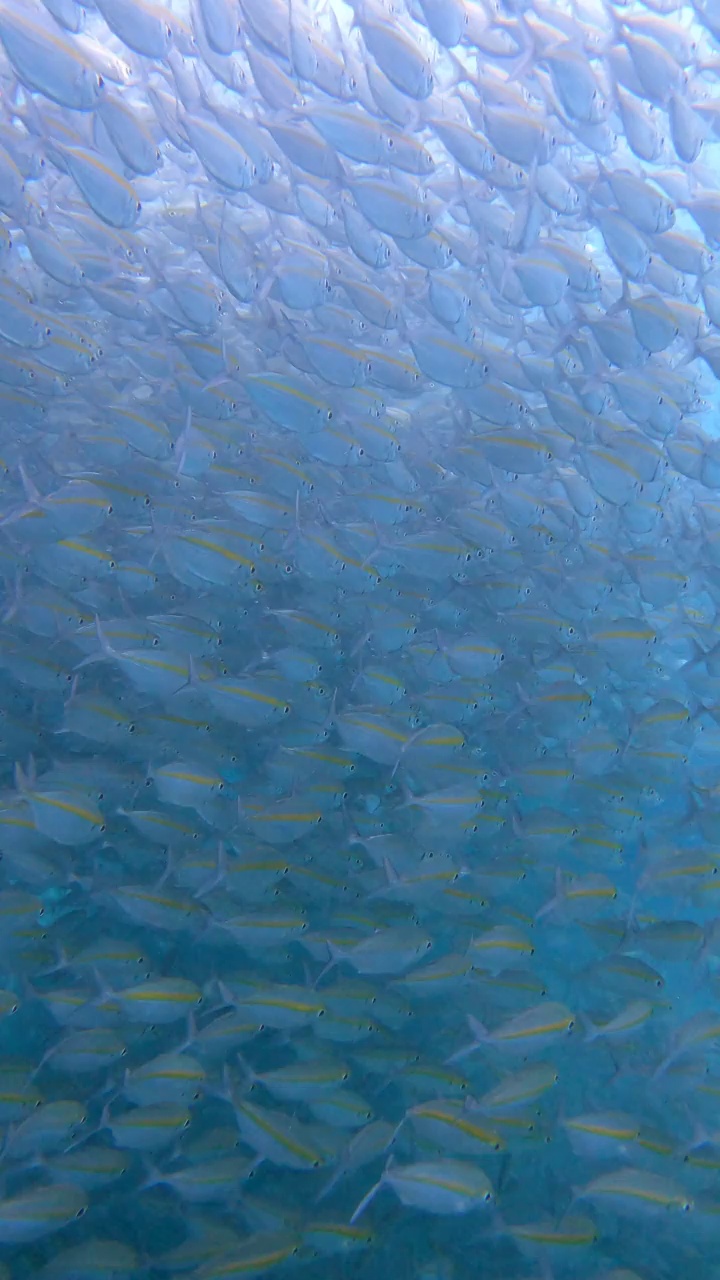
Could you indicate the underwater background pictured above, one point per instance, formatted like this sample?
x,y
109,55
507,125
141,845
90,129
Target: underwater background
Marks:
x,y
359,640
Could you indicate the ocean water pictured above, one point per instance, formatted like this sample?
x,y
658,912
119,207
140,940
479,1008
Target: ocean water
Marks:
x,y
359,640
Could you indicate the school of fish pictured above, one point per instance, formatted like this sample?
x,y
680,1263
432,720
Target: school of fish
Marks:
x,y
359,639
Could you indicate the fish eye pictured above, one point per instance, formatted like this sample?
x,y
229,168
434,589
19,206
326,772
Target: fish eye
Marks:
x,y
81,1211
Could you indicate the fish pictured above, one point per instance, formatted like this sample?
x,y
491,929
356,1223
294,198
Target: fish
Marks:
x,y
442,1187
